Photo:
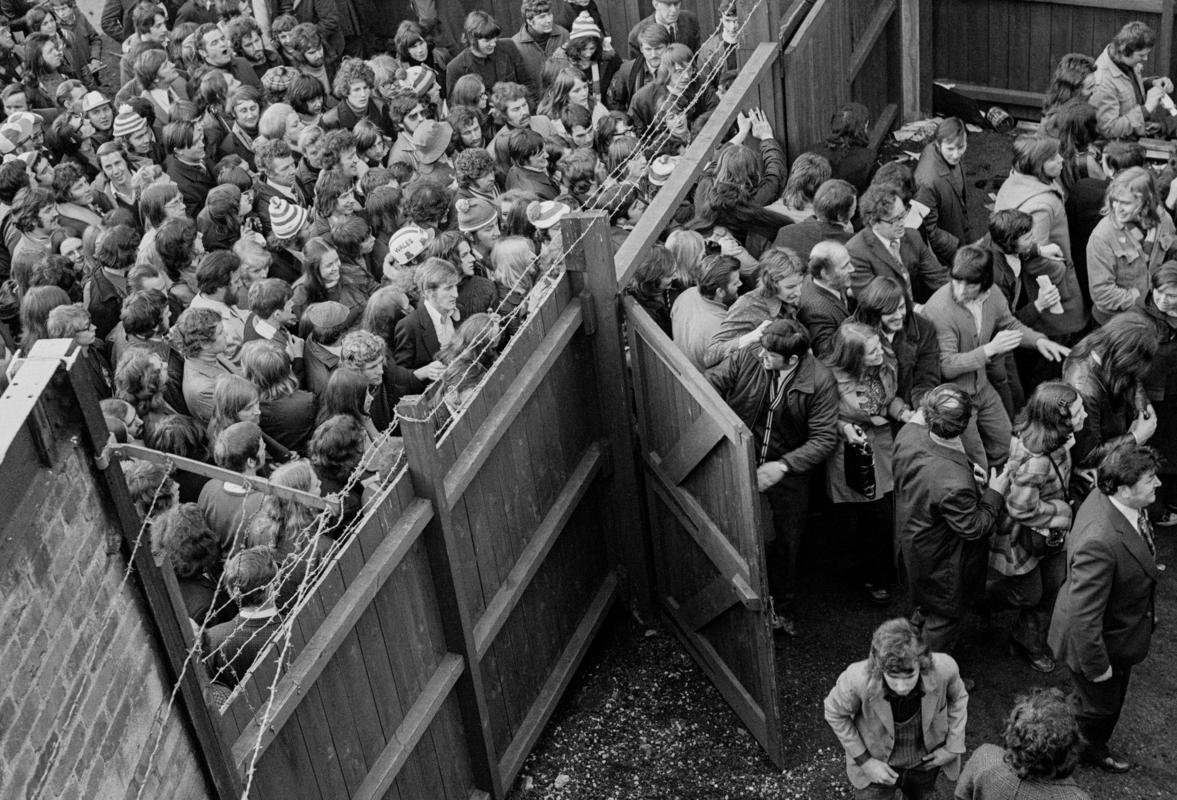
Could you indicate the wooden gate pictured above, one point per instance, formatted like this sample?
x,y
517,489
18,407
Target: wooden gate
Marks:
x,y
706,524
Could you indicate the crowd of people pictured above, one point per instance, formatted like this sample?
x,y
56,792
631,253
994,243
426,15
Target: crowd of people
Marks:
x,y
272,225
982,414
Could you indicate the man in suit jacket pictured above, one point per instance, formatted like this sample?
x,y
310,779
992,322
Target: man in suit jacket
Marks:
x,y
945,509
885,247
429,327
683,26
975,326
1105,613
900,715
824,304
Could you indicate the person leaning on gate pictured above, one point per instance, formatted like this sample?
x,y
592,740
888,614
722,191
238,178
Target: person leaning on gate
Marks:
x,y
945,510
1106,611
900,716
789,400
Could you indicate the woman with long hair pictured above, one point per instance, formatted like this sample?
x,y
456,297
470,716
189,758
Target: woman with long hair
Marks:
x,y
322,279
1073,80
688,249
141,378
910,338
651,282
287,412
1135,236
348,393
735,192
235,399
514,268
179,246
569,88
35,305
1027,556
1077,136
847,148
867,382
45,69
1107,368
414,48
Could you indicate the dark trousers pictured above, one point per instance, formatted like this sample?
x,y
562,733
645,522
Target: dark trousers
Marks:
x,y
867,532
790,505
913,784
1100,705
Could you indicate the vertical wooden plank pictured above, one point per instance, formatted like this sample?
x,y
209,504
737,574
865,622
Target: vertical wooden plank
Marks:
x,y
1019,47
997,73
1060,40
445,555
591,265
976,35
285,769
909,67
1163,53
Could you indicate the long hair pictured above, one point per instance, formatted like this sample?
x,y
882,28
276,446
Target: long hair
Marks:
x,y
849,127
736,176
849,352
139,381
314,252
1044,423
1042,736
1069,75
882,296
556,98
1137,181
147,66
384,309
688,248
897,646
1126,345
475,337
34,313
345,393
232,394
281,523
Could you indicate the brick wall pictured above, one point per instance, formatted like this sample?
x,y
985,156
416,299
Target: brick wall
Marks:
x,y
83,683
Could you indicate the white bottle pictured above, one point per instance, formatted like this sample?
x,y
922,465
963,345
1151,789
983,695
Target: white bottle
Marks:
x,y
1043,284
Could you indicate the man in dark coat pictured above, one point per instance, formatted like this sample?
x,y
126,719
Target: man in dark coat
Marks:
x,y
789,400
184,142
824,304
1105,612
945,510
490,58
834,205
683,26
885,247
426,329
231,648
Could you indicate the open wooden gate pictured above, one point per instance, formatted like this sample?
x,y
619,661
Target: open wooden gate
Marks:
x,y
706,519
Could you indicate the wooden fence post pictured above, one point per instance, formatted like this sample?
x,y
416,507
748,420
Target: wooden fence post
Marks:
x,y
171,623
419,428
590,266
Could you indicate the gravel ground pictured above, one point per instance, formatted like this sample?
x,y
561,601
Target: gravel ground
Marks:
x,y
642,721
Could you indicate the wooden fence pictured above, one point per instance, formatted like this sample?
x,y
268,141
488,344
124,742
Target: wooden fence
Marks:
x,y
1005,51
863,51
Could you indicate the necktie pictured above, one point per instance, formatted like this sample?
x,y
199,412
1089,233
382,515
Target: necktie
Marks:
x,y
673,29
894,248
1146,532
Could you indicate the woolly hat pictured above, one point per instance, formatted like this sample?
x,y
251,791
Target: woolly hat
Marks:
x,y
660,169
544,214
418,80
360,348
127,123
286,218
584,26
474,213
15,133
278,79
93,100
6,146
431,139
407,243
325,315
27,119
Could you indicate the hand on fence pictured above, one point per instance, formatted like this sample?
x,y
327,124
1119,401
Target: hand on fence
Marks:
x,y
761,127
430,372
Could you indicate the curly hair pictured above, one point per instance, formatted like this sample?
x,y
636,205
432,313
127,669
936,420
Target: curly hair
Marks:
x,y
194,330
140,381
150,486
337,446
472,164
1042,736
184,537
27,206
350,71
897,646
65,175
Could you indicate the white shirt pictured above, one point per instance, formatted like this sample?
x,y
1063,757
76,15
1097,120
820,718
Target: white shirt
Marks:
x,y
1131,514
443,326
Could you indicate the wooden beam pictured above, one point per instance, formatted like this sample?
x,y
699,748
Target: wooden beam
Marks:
x,y
688,375
698,523
1142,6
553,689
219,473
866,40
511,590
414,725
730,686
655,218
882,126
498,423
711,601
1010,97
264,727
910,60
691,448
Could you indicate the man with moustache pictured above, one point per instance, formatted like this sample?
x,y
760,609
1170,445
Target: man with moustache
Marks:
x,y
698,312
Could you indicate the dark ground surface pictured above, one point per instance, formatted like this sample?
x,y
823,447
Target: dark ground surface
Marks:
x,y
642,721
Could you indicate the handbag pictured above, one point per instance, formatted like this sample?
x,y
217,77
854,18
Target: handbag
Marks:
x,y
858,467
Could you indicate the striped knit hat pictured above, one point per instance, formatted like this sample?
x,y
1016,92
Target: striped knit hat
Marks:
x,y
286,219
584,26
475,213
544,214
127,123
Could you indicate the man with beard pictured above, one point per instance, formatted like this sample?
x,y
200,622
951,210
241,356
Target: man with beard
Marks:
x,y
824,304
489,57
789,400
777,293
698,312
213,49
215,291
